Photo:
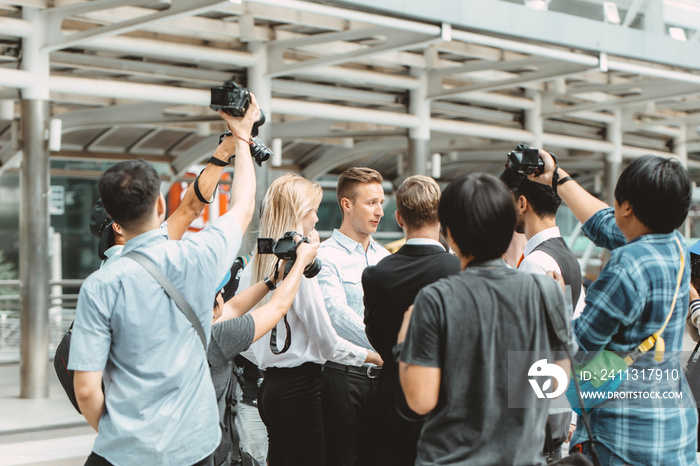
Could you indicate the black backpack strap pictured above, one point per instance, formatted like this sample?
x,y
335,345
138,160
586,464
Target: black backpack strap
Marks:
x,y
557,320
564,334
229,418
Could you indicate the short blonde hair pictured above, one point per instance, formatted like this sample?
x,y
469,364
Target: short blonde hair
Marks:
x,y
350,178
288,199
417,201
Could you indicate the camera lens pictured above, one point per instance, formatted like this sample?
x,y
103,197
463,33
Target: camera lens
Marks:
x,y
313,269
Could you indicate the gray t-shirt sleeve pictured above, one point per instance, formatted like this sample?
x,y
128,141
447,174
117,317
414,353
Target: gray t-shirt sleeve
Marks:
x,y
233,336
425,332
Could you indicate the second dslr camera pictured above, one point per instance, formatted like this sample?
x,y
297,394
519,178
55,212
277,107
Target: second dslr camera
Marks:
x,y
234,100
521,162
285,248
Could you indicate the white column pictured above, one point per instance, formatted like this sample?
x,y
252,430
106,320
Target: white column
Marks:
x,y
419,137
613,160
261,85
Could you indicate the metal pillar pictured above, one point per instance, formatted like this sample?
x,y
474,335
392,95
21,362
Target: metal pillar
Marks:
x,y
613,160
261,85
419,137
34,254
680,148
34,266
533,118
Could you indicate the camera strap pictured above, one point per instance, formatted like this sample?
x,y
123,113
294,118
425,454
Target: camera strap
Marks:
x,y
287,339
555,175
273,333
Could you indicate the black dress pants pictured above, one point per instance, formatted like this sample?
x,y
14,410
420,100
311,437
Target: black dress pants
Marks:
x,y
96,460
290,407
347,414
395,428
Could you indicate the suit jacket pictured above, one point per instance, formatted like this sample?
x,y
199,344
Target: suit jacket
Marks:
x,y
391,286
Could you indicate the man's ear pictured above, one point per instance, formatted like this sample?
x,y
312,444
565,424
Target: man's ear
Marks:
x,y
399,220
451,241
345,204
522,204
160,205
626,209
117,229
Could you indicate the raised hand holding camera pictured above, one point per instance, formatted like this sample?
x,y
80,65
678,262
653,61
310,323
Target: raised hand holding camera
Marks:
x,y
230,101
534,164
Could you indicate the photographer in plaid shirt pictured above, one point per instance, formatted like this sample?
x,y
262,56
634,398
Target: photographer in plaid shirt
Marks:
x,y
630,300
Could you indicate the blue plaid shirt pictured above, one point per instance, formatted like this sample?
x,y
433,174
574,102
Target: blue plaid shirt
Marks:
x,y
627,303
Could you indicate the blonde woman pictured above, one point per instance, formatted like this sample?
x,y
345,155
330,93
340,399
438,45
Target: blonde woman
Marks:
x,y
290,396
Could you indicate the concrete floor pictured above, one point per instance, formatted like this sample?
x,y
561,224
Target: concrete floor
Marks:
x,y
40,432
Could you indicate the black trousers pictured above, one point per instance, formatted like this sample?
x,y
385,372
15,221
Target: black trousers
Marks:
x,y
347,408
96,460
290,407
395,435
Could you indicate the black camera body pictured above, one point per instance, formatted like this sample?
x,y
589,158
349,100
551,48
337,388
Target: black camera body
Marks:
x,y
525,161
520,163
285,248
234,100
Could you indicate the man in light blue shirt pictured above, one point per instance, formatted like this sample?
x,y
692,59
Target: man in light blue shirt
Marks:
x,y
347,391
158,405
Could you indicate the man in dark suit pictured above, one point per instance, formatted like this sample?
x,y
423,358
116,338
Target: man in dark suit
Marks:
x,y
389,289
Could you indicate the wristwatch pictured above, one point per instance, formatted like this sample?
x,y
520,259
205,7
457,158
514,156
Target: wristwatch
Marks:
x,y
564,180
271,286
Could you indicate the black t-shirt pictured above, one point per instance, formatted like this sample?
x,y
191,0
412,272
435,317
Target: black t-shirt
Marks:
x,y
466,325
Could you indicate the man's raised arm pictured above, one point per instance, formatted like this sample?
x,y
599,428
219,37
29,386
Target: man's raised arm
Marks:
x,y
243,187
581,202
191,207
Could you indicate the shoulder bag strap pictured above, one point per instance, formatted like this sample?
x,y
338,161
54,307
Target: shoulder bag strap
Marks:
x,y
171,291
655,340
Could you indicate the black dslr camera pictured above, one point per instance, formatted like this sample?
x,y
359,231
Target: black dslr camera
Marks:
x,y
521,162
525,160
234,100
285,248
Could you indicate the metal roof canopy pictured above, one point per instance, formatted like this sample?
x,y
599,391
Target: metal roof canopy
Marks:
x,y
132,78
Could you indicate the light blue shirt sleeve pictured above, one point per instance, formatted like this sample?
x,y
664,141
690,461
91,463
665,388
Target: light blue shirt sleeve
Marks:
x,y
90,349
346,321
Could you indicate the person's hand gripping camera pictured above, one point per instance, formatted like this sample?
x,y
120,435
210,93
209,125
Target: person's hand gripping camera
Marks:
x,y
242,127
550,166
306,250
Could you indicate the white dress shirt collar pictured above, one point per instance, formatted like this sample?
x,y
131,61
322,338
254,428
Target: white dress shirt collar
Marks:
x,y
424,241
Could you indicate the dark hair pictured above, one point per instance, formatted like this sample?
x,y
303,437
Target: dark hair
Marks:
x,y
478,209
129,190
659,191
544,201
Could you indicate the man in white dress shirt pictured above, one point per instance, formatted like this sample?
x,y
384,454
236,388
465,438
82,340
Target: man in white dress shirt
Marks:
x,y
348,390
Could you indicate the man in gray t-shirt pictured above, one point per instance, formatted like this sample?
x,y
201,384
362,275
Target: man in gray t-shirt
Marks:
x,y
466,331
